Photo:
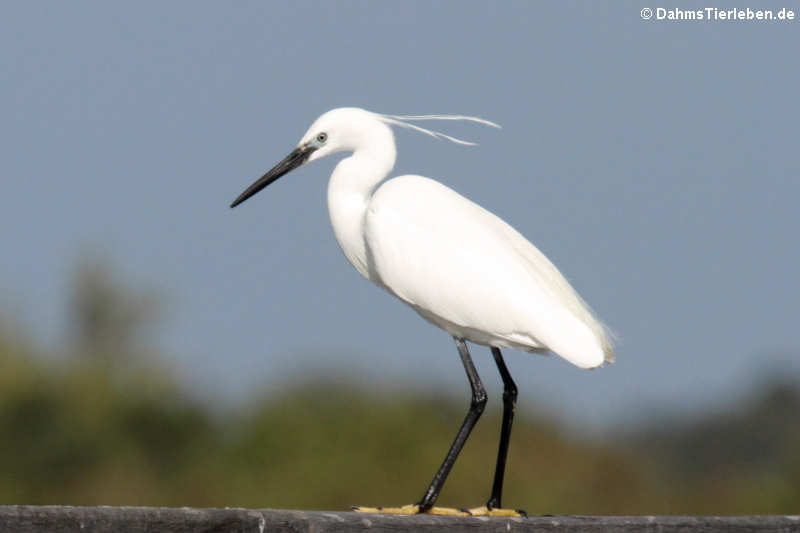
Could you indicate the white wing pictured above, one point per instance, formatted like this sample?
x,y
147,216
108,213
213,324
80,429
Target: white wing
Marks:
x,y
470,273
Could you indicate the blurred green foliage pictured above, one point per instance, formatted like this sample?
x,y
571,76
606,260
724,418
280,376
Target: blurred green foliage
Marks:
x,y
101,424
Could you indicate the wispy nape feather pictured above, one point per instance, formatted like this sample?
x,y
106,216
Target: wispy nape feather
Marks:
x,y
399,120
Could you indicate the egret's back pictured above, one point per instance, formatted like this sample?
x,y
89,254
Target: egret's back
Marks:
x,y
467,271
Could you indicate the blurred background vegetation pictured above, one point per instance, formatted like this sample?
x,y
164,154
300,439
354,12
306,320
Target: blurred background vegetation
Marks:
x,y
102,422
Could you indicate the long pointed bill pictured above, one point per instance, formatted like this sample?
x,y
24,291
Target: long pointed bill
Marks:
x,y
298,156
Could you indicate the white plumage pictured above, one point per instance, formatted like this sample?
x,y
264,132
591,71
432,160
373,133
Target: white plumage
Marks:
x,y
473,275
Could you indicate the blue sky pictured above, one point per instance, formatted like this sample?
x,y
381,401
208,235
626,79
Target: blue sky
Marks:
x,y
654,162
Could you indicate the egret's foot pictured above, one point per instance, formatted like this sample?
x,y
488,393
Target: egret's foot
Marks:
x,y
412,509
485,511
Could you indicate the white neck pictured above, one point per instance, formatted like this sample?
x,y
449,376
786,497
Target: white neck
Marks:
x,y
350,190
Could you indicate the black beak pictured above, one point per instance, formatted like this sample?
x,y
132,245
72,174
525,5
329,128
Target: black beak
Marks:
x,y
298,156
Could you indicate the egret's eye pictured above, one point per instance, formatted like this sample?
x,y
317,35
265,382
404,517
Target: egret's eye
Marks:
x,y
322,137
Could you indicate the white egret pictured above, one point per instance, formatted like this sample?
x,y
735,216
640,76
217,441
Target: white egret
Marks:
x,y
458,265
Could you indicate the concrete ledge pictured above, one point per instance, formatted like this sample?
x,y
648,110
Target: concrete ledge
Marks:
x,y
63,519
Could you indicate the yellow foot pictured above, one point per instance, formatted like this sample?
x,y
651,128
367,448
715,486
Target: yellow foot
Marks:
x,y
485,511
412,509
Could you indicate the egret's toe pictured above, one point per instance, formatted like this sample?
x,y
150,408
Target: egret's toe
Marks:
x,y
485,511
405,509
448,511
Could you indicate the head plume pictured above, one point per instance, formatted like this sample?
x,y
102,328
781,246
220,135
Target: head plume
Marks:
x,y
400,120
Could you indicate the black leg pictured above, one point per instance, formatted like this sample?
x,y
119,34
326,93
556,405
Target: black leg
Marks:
x,y
509,402
475,409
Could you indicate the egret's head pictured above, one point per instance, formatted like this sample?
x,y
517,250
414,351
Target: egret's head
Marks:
x,y
338,130
348,129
